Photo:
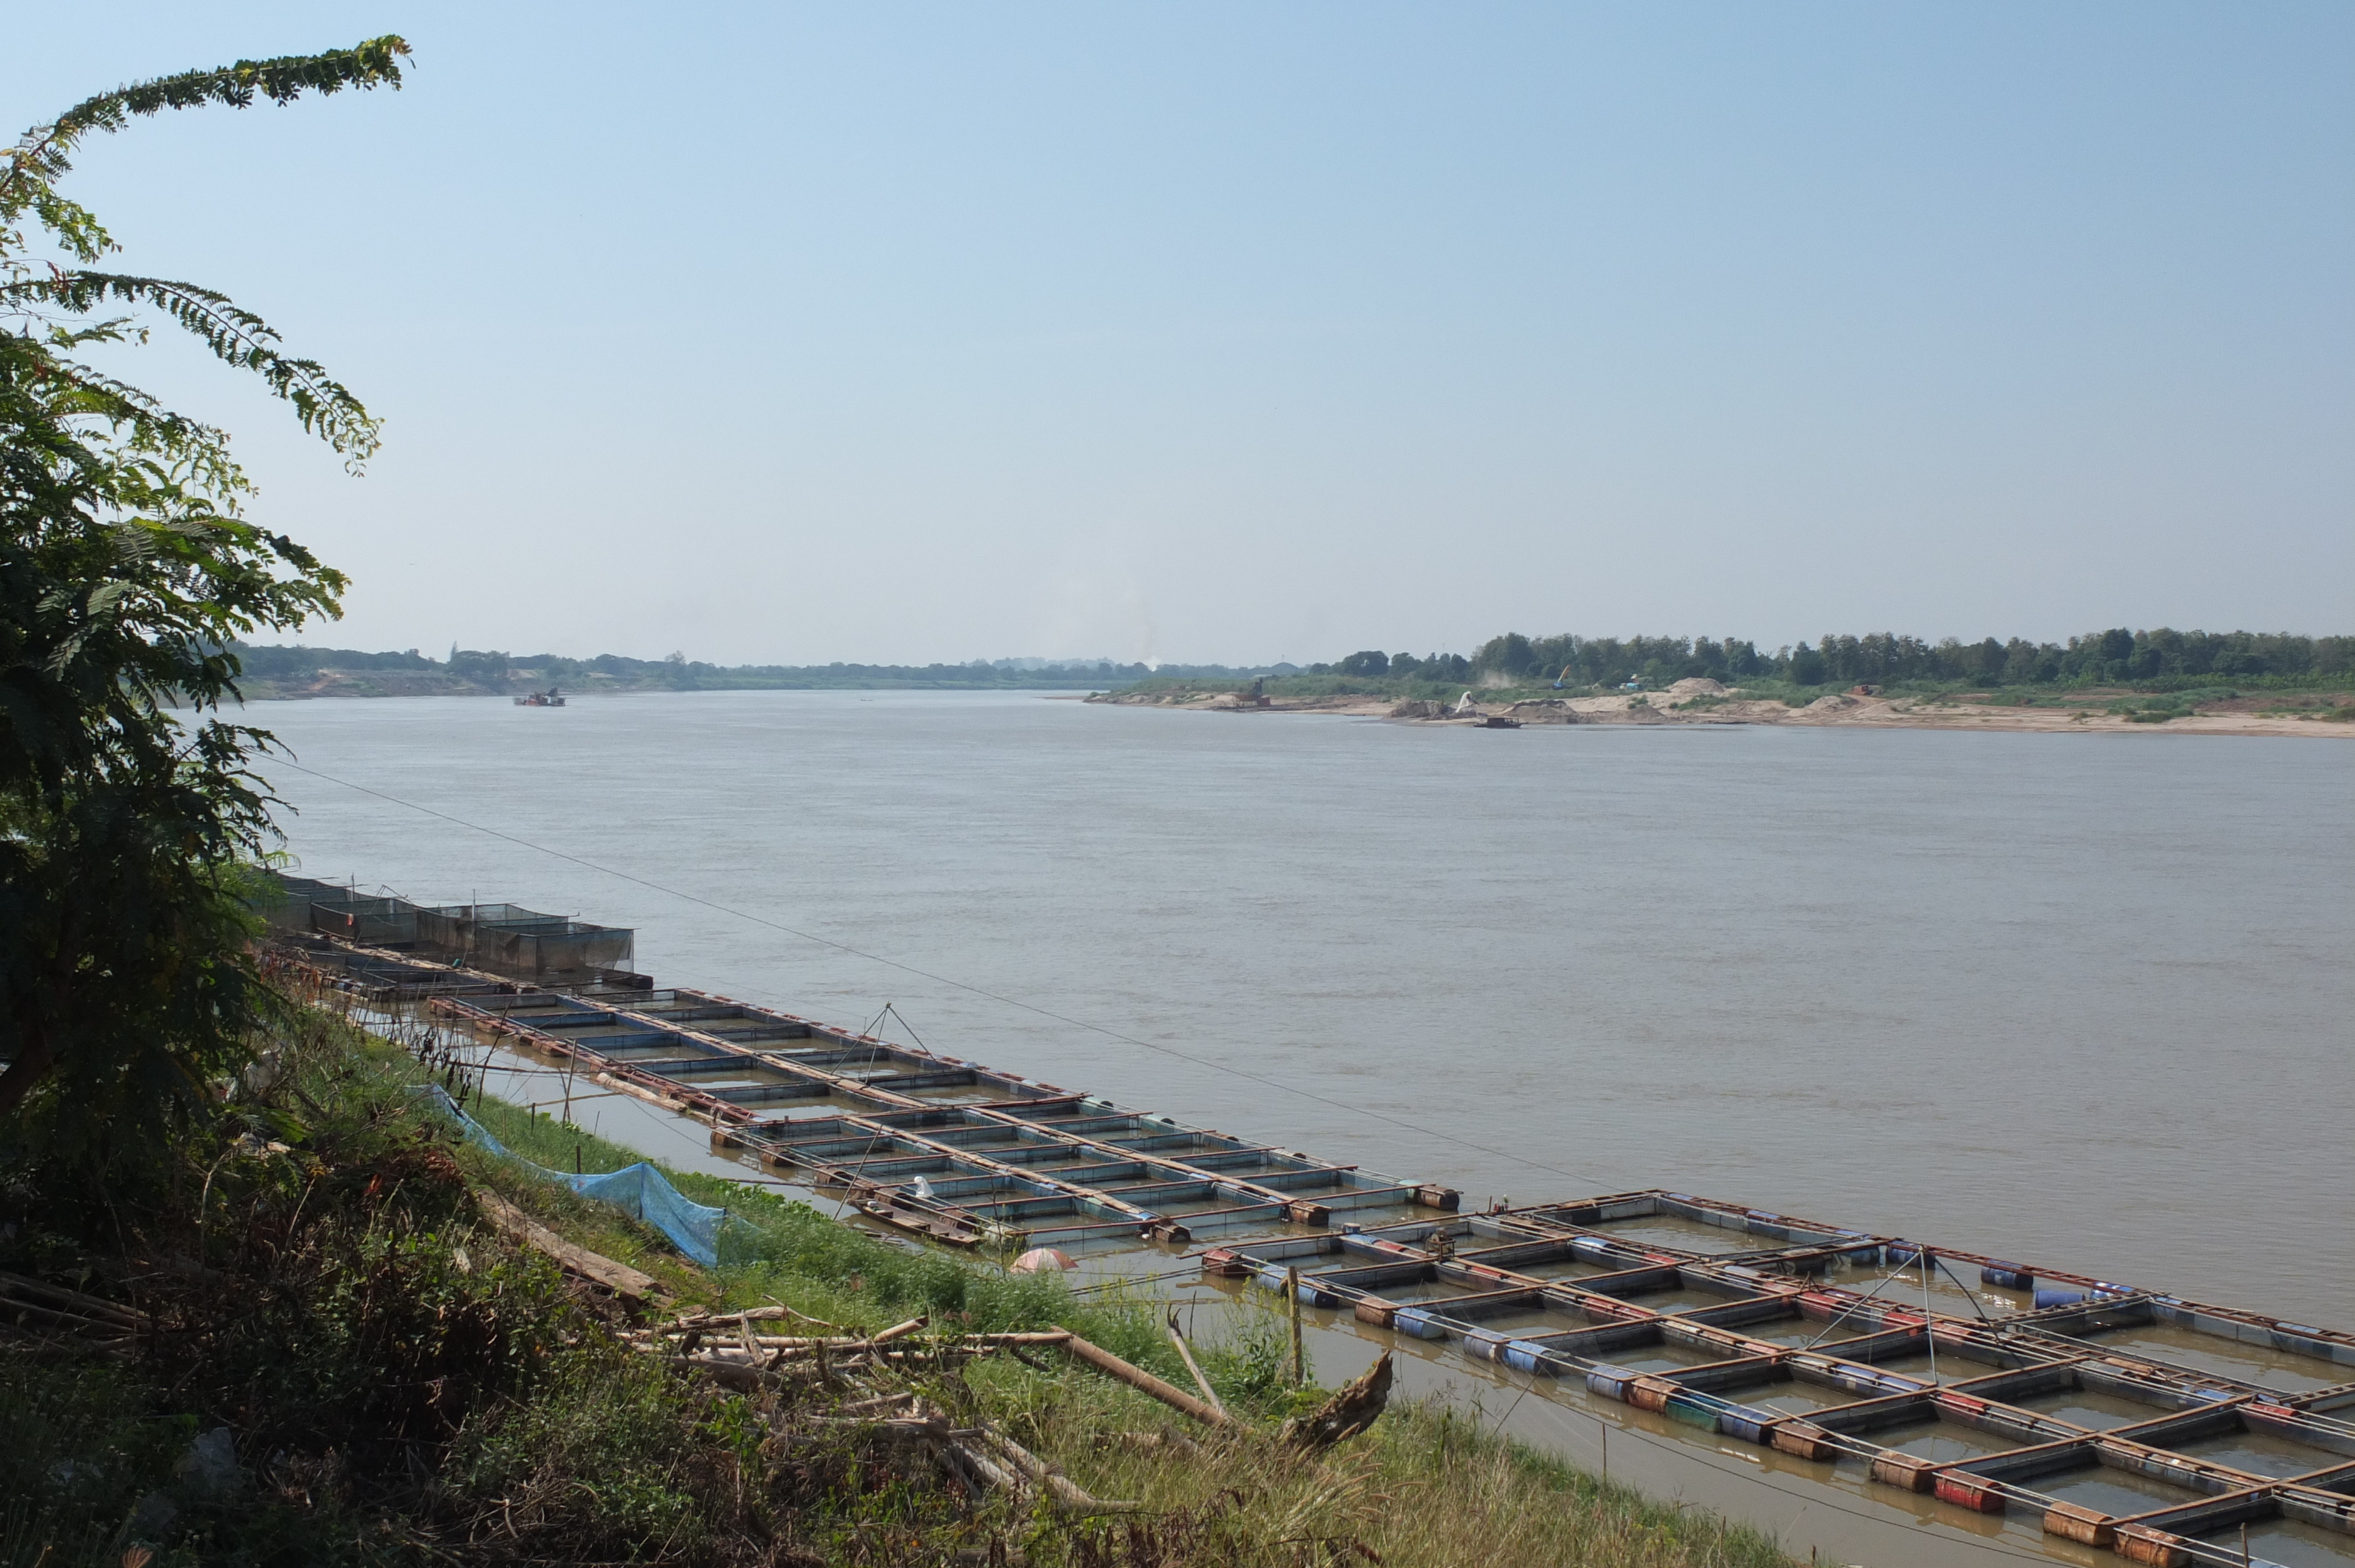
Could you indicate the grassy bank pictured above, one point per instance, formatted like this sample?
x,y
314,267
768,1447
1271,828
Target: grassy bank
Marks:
x,y
337,1360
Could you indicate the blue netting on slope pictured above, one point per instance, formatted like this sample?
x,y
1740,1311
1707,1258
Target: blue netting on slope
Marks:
x,y
640,1190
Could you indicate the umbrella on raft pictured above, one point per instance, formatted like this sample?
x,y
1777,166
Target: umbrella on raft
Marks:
x,y
1038,1259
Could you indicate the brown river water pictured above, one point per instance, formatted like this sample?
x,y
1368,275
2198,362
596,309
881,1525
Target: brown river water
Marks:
x,y
2078,999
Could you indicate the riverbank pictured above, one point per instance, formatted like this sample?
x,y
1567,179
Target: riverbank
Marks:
x,y
1707,702
309,1335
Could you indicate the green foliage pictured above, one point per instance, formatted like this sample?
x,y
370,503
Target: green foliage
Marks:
x,y
606,1421
44,155
125,573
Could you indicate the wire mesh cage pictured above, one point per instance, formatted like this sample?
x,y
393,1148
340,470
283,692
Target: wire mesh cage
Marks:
x,y
524,944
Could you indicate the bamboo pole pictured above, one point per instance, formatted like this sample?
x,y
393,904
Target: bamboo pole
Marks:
x,y
1292,1304
1185,1354
1103,1361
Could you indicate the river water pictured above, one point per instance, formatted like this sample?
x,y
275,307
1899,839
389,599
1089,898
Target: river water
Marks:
x,y
2079,1000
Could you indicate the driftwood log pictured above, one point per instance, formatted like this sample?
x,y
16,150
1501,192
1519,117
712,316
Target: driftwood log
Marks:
x,y
1347,1413
635,1288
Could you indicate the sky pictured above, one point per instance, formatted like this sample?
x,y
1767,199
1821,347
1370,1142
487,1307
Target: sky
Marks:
x,y
1236,332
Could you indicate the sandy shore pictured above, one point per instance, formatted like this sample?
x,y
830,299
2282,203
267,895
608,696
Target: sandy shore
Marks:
x,y
2237,716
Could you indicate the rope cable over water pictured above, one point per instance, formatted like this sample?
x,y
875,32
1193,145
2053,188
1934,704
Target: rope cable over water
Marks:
x,y
982,991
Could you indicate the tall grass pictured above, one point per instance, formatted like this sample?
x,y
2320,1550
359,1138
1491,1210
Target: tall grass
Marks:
x,y
1430,1486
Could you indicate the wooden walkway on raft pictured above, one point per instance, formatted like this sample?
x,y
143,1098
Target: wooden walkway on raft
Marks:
x,y
2116,1417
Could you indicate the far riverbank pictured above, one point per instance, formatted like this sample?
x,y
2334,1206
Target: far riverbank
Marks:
x,y
1702,702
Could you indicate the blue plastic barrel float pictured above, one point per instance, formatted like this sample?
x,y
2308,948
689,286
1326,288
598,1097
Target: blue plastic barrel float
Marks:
x,y
1522,1356
1417,1322
1695,1409
2009,1276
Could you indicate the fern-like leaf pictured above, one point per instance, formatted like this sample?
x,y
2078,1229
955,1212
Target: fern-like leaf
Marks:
x,y
325,406
46,152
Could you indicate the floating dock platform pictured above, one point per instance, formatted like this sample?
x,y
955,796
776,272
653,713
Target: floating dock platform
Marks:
x,y
2116,1416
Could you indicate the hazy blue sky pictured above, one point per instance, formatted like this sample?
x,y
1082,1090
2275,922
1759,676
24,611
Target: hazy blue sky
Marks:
x,y
1244,331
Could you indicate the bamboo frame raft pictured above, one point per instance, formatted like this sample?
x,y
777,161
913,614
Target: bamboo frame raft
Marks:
x,y
934,1144
1555,1292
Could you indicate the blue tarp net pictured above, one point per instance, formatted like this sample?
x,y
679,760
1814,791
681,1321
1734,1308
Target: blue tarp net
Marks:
x,y
640,1190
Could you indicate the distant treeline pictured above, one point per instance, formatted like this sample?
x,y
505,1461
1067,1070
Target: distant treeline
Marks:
x,y
2161,656
497,671
2115,656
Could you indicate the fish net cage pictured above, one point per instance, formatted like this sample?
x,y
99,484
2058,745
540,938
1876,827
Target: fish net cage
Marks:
x,y
300,906
524,944
505,939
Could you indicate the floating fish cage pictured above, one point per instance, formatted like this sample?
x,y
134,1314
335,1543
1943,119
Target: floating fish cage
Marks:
x,y
2114,1414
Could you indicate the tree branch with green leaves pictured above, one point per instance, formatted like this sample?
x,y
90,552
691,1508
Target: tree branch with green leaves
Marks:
x,y
129,815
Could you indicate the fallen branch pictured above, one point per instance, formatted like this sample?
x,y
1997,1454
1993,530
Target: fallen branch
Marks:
x,y
988,1470
750,1315
1066,1493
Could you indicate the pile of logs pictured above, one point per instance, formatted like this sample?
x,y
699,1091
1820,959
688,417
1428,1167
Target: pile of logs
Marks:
x,y
980,1457
103,1325
745,1351
728,1346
